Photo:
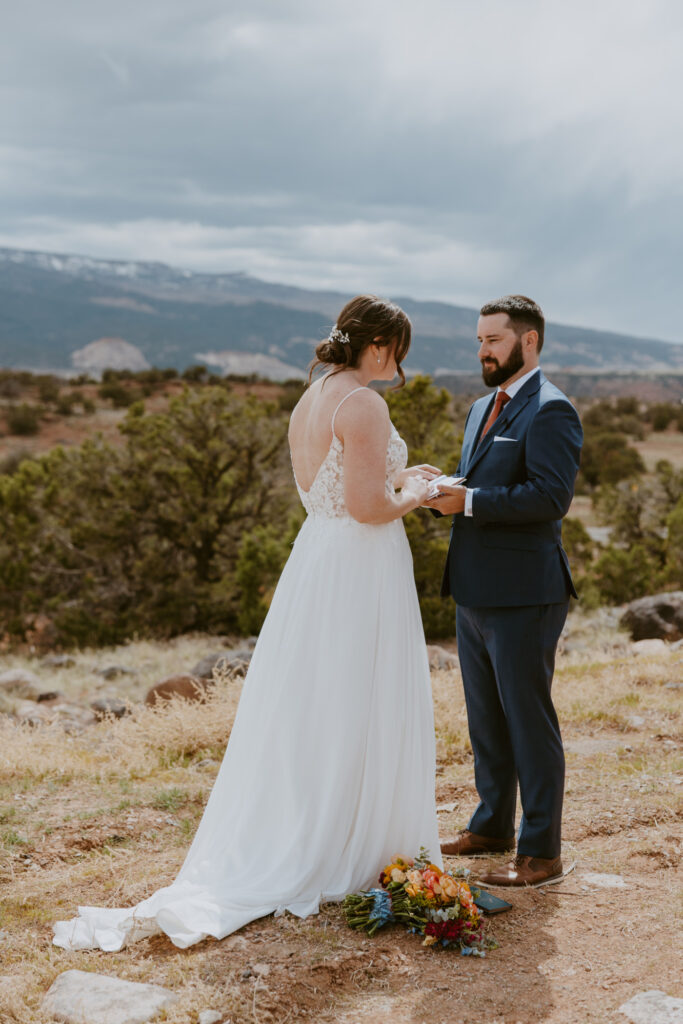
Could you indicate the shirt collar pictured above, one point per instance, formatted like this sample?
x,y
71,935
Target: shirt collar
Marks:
x,y
512,389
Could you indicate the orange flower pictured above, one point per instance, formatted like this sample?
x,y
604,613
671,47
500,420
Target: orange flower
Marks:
x,y
449,887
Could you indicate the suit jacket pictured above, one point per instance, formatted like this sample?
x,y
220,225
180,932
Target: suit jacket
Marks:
x,y
509,552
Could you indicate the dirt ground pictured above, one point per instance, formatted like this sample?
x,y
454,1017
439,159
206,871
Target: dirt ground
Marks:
x,y
105,817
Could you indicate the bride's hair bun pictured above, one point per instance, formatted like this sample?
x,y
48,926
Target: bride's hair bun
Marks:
x,y
335,349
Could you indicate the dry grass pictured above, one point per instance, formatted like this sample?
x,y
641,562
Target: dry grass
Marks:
x,y
106,816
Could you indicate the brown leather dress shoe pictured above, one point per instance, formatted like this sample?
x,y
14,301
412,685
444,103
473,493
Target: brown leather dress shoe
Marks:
x,y
525,870
467,843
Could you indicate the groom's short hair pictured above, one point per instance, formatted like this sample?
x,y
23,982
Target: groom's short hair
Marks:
x,y
523,313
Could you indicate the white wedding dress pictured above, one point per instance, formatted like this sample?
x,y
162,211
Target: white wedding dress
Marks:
x,y
329,771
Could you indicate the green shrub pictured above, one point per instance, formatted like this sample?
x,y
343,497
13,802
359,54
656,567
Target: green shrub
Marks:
x,y
23,420
623,575
66,402
195,374
118,394
48,389
607,458
144,538
661,415
674,546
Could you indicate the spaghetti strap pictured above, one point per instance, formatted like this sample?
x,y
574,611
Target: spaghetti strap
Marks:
x,y
334,414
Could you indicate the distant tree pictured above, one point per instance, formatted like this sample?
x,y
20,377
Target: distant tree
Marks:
x,y
147,537
196,373
421,413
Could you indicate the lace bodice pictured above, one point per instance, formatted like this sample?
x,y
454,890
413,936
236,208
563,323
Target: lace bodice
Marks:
x,y
325,497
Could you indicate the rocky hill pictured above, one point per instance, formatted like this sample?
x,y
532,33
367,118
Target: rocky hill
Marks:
x,y
55,305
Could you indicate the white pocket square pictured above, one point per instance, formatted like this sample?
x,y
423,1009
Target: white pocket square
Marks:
x,y
499,438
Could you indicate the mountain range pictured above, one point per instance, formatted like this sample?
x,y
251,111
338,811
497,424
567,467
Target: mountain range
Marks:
x,y
54,306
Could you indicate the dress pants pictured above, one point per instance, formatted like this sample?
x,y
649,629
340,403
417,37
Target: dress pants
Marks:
x,y
507,657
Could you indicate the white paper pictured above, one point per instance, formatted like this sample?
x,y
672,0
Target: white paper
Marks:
x,y
449,481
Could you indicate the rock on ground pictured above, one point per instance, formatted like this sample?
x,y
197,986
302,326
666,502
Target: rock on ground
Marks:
x,y
210,1017
650,648
80,997
232,661
109,707
20,683
440,658
659,616
71,717
188,687
653,1007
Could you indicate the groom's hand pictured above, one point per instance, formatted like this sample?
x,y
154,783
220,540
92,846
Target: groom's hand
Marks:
x,y
450,501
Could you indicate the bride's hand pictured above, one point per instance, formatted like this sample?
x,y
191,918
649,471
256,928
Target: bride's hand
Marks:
x,y
424,471
416,488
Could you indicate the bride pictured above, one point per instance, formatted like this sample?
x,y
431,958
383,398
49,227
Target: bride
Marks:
x,y
329,771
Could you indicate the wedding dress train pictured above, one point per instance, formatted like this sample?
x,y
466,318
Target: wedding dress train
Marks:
x,y
329,770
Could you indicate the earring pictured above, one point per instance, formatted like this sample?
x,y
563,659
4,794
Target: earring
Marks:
x,y
378,359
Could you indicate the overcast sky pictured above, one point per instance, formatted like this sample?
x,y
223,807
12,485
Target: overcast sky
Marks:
x,y
448,149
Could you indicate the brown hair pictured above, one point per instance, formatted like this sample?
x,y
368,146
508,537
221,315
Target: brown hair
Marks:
x,y
365,320
523,313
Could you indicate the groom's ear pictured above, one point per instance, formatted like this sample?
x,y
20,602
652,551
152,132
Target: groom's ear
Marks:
x,y
530,341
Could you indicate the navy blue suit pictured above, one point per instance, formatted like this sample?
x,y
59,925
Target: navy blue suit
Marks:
x,y
510,578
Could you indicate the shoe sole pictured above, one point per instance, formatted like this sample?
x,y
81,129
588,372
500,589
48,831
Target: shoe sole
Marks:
x,y
480,853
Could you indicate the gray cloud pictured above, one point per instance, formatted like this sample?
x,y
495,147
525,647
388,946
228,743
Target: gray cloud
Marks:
x,y
446,150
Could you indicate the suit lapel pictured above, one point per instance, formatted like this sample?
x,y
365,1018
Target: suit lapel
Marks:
x,y
510,412
478,416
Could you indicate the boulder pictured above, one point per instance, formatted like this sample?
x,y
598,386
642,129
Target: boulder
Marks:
x,y
58,661
440,658
71,717
653,1007
109,707
650,648
48,695
210,1017
112,671
82,997
187,687
19,682
235,662
657,617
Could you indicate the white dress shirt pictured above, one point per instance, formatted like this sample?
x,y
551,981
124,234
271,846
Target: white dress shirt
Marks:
x,y
511,390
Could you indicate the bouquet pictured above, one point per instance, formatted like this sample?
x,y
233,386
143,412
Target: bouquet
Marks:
x,y
436,904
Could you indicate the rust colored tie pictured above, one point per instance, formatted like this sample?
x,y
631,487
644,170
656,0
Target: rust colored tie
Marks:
x,y
502,398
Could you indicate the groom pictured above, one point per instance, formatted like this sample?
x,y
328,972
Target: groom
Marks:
x,y
510,577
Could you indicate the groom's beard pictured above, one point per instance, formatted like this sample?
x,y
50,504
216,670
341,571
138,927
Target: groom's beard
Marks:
x,y
495,373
